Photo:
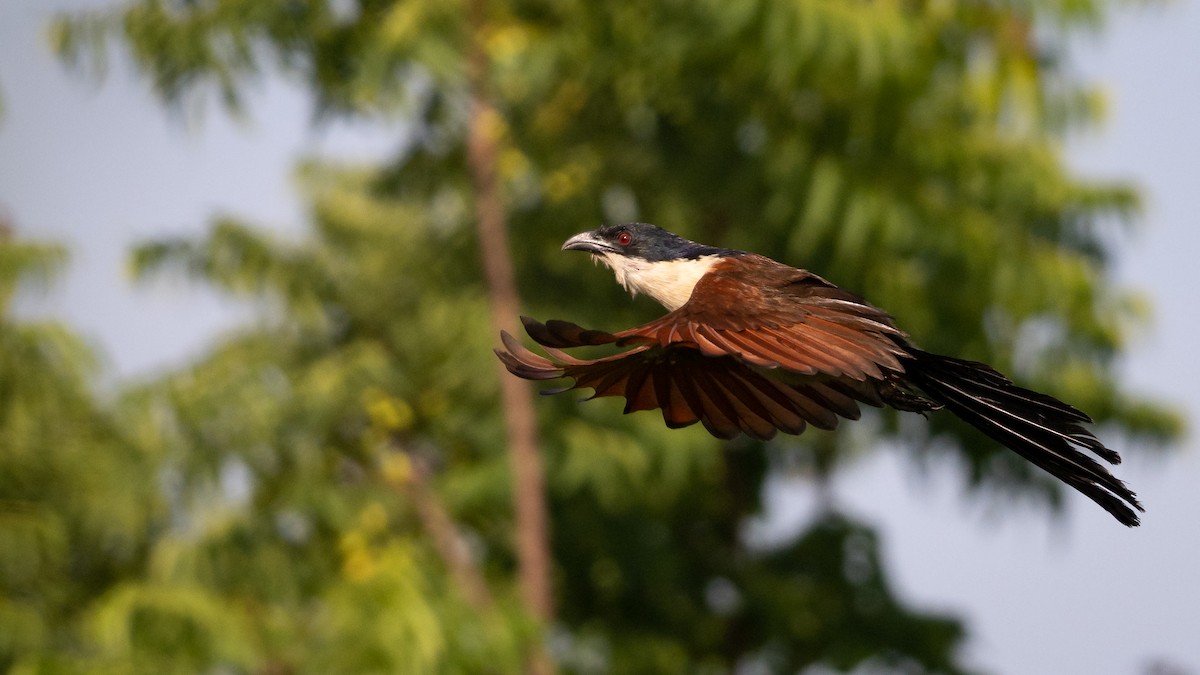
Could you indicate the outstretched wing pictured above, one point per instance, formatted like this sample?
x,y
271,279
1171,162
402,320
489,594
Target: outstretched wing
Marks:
x,y
724,394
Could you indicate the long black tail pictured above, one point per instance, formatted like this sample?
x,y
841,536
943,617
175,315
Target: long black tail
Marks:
x,y
1040,428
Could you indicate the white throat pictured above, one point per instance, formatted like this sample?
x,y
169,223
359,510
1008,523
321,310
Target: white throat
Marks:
x,y
669,282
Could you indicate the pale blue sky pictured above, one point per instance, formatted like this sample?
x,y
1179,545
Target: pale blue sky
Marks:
x,y
100,167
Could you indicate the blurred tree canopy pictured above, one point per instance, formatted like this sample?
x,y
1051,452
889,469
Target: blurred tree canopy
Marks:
x,y
79,501
268,509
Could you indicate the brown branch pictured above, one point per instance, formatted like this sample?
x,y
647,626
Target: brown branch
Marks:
x,y
524,455
532,539
440,527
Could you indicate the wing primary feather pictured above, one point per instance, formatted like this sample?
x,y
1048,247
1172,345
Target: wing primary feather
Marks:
x,y
558,333
864,392
611,380
812,409
682,381
633,388
744,403
756,423
834,400
778,399
716,405
676,410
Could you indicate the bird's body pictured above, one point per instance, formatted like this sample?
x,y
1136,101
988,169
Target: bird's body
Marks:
x,y
753,346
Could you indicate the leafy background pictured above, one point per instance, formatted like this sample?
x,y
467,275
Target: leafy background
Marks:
x,y
150,195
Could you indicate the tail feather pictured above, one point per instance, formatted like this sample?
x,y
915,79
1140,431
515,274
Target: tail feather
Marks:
x,y
1040,428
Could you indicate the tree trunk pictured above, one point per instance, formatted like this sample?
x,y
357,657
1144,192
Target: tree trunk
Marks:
x,y
442,530
532,540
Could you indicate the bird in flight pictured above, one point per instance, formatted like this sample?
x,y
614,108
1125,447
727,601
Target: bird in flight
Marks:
x,y
750,345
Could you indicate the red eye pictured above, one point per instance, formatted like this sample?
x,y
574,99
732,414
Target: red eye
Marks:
x,y
624,238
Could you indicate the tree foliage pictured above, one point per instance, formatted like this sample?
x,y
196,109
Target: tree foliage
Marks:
x,y
908,151
78,500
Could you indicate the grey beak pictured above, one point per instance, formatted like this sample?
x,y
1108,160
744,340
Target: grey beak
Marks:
x,y
587,241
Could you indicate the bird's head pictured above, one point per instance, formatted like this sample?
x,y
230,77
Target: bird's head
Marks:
x,y
648,259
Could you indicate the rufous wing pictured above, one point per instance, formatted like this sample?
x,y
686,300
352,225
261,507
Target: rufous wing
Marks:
x,y
723,393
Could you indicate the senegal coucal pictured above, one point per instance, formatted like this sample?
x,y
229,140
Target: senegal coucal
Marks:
x,y
752,346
